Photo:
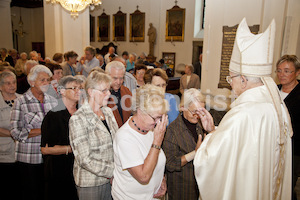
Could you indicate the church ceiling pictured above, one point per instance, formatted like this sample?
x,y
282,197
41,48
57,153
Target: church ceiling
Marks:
x,y
27,3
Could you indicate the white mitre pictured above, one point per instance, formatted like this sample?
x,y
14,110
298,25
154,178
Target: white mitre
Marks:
x,y
252,55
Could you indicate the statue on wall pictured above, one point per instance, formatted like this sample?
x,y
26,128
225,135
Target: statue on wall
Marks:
x,y
152,39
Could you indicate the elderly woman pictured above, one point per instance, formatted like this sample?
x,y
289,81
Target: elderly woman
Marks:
x,y
56,149
189,79
82,81
130,63
288,69
92,129
20,64
159,77
139,160
22,82
183,138
27,115
57,72
8,95
139,72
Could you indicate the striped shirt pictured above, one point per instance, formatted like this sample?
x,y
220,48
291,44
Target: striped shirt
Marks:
x,y
28,113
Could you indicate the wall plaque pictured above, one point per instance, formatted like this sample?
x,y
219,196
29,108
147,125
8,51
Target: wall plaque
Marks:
x,y
227,47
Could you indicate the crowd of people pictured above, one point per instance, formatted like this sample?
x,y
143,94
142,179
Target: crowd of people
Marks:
x,y
104,127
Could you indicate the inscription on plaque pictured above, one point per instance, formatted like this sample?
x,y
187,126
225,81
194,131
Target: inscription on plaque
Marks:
x,y
227,46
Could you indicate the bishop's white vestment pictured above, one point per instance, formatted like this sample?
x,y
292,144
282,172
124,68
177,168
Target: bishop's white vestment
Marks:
x,y
243,158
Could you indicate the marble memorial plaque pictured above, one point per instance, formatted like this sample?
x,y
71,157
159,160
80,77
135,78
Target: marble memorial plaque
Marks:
x,y
227,47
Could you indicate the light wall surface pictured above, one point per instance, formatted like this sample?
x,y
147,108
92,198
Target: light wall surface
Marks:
x,y
155,13
221,13
6,40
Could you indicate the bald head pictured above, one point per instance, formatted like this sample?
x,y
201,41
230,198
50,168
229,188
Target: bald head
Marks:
x,y
111,50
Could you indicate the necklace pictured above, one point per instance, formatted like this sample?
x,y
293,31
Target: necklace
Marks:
x,y
143,131
10,102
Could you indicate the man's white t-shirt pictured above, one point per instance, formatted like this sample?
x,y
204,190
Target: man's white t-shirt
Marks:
x,y
131,149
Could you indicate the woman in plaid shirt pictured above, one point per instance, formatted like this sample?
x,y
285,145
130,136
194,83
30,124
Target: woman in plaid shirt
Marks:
x,y
92,129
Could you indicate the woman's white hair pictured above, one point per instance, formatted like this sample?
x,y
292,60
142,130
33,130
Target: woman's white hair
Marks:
x,y
36,70
150,98
4,75
23,53
114,64
30,62
191,95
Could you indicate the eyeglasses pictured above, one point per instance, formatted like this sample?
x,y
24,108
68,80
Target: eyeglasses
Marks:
x,y
279,71
155,119
193,113
74,88
140,73
162,85
103,91
229,78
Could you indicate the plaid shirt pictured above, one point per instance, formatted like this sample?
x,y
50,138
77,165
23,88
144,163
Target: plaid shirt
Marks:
x,y
92,146
27,113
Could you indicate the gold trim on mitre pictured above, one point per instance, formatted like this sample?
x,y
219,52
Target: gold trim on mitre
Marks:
x,y
252,55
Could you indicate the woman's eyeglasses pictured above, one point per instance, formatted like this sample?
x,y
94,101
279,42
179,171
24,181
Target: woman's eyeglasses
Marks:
x,y
73,88
279,71
193,113
155,119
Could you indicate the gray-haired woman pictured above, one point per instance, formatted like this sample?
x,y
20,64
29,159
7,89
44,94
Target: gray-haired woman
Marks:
x,y
139,160
92,129
8,87
183,138
55,144
27,115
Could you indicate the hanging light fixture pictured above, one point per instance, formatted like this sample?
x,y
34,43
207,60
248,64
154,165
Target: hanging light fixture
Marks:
x,y
75,6
20,32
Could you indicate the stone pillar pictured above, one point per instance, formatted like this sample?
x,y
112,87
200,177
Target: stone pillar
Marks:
x,y
6,39
64,33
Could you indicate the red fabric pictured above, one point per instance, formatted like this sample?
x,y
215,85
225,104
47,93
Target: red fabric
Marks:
x,y
126,114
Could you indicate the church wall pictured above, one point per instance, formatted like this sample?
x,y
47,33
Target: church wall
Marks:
x,y
64,33
230,13
5,24
155,13
33,26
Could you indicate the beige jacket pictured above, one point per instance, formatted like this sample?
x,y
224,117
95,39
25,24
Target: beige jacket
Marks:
x,y
193,83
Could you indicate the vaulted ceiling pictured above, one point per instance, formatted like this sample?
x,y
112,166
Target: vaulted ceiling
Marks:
x,y
27,3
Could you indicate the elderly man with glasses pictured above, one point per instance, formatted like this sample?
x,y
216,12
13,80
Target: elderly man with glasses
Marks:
x,y
249,155
120,100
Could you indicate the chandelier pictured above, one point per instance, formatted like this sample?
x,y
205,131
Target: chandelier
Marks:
x,y
75,6
20,32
